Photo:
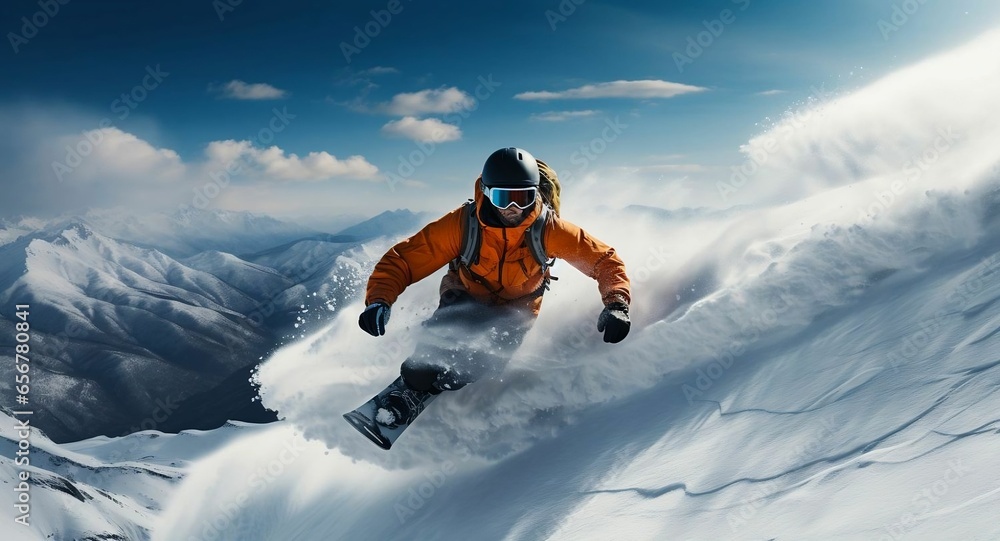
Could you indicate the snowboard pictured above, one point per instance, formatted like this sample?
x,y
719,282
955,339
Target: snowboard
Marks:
x,y
377,423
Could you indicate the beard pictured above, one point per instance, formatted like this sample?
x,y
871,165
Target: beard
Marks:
x,y
511,216
494,217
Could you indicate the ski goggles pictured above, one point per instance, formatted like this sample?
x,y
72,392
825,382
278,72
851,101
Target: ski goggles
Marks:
x,y
503,198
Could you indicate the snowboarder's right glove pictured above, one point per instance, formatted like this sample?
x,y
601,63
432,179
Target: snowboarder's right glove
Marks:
x,y
614,322
374,318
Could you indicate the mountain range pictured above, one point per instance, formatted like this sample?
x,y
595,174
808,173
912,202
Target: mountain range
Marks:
x,y
156,317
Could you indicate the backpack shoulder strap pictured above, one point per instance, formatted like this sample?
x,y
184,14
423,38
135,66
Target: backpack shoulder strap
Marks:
x,y
536,238
472,235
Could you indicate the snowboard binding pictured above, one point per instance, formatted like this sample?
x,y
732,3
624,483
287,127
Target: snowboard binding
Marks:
x,y
399,407
384,418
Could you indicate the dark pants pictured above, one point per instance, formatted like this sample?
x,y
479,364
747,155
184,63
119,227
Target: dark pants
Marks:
x,y
463,341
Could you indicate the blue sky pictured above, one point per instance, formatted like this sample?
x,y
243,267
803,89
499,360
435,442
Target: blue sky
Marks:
x,y
558,77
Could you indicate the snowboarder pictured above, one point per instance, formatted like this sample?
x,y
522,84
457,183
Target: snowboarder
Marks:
x,y
497,247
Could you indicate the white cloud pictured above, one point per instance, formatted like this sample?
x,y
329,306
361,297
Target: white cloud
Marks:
x,y
430,101
314,166
221,153
773,92
116,155
274,164
560,116
429,130
239,90
63,162
95,167
645,89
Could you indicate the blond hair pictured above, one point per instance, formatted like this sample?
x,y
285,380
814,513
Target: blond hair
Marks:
x,y
549,185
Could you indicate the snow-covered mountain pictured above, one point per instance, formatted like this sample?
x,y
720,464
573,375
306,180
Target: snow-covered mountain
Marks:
x,y
824,368
117,331
121,330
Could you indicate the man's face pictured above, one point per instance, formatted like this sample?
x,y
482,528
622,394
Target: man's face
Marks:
x,y
511,215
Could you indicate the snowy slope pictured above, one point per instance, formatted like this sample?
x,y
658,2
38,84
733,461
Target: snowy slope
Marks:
x,y
822,369
103,488
257,281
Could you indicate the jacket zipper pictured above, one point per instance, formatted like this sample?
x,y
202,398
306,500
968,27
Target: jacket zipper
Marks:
x,y
503,256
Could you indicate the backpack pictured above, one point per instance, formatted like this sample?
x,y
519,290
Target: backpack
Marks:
x,y
472,237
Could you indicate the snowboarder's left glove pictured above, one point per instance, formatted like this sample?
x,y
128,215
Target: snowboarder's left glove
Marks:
x,y
374,318
614,322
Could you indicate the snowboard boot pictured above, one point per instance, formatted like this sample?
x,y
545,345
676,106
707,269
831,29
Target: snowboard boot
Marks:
x,y
399,406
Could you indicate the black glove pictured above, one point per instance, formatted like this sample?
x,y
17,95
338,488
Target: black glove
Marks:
x,y
374,318
614,322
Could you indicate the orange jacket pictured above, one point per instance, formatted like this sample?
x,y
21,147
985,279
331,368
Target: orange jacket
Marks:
x,y
506,271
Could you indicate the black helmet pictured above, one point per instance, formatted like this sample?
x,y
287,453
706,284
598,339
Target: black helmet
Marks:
x,y
512,168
